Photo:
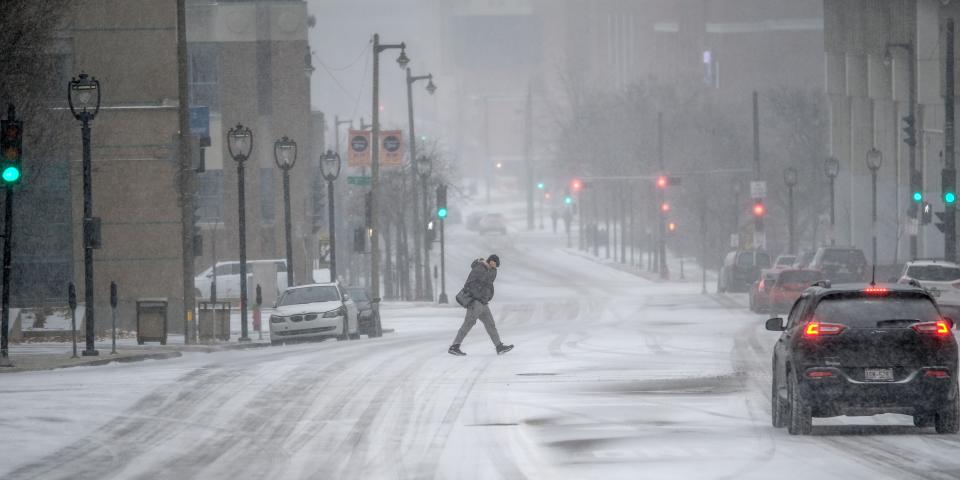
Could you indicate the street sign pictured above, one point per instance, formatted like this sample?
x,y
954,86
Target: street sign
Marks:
x,y
913,226
760,240
358,180
758,190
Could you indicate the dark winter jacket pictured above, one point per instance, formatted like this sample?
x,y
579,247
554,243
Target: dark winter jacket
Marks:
x,y
480,282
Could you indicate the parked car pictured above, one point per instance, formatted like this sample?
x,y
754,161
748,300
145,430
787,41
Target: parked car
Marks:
x,y
740,269
941,279
864,349
228,278
369,318
788,286
784,261
314,311
492,222
841,264
760,290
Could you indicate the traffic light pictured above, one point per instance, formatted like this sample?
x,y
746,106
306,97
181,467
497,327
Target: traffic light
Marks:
x,y
576,185
441,201
948,185
926,214
662,182
910,130
568,200
11,150
758,209
917,196
942,224
664,207
671,226
540,185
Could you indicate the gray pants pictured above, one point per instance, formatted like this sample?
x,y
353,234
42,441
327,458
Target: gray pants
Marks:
x,y
479,311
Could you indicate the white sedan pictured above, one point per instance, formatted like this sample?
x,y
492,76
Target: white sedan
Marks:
x,y
314,311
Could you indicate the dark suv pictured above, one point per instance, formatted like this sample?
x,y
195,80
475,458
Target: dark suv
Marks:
x,y
740,269
864,350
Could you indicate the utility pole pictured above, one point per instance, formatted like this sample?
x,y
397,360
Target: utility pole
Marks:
x,y
186,180
759,237
661,197
949,174
527,147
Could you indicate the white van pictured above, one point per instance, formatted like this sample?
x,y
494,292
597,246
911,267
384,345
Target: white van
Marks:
x,y
228,279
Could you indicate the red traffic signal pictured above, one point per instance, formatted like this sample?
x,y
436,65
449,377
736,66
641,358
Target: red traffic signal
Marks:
x,y
671,226
759,210
576,185
664,207
662,181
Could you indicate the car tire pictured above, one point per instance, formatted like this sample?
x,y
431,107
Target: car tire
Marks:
x,y
779,410
346,331
947,420
801,419
923,420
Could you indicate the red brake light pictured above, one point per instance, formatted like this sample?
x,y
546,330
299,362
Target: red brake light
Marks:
x,y
760,286
874,290
937,373
939,328
819,374
816,329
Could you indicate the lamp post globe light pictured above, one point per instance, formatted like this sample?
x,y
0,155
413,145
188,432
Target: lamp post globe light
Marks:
x,y
330,168
83,95
239,145
790,179
421,283
874,160
285,156
831,168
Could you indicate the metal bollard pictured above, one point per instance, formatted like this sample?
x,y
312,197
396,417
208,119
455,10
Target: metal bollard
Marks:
x,y
72,299
113,308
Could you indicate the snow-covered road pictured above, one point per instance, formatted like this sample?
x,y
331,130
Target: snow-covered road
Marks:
x,y
612,377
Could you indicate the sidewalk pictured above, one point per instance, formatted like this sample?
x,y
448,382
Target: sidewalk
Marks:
x,y
691,270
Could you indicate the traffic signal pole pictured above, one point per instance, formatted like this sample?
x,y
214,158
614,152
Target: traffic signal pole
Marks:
x,y
662,223
7,256
949,174
758,233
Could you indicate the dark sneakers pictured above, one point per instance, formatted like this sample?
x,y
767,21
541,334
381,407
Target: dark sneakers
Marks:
x,y
501,349
455,350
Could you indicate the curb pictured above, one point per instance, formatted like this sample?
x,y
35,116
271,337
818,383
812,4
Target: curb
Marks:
x,y
97,362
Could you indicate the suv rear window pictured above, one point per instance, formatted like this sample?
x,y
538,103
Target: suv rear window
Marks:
x,y
934,273
799,277
866,312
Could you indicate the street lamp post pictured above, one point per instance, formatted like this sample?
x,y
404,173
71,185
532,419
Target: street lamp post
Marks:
x,y
790,178
285,156
83,95
240,144
330,167
831,167
425,168
874,160
402,60
417,232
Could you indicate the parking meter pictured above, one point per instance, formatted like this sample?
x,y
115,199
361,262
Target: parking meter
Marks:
x,y
72,296
113,294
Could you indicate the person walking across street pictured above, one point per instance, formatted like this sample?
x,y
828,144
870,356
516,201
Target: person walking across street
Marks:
x,y
475,296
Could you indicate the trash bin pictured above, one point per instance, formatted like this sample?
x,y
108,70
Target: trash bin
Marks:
x,y
214,321
152,320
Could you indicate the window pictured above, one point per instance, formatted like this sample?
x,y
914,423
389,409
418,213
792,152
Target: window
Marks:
x,y
203,74
866,312
300,296
210,196
934,273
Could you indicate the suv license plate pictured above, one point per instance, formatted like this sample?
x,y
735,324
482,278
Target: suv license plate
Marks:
x,y
878,374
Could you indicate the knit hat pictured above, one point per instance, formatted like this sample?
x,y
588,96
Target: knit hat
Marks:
x,y
494,258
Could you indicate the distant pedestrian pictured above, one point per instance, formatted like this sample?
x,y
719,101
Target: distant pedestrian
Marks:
x,y
475,297
554,216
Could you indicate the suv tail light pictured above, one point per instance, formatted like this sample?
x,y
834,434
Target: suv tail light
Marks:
x,y
937,373
939,328
817,329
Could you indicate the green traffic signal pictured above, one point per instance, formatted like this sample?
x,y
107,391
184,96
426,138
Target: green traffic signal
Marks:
x,y
11,174
568,200
949,198
540,185
442,212
917,196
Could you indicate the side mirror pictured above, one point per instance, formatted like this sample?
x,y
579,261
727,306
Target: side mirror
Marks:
x,y
775,324
949,322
